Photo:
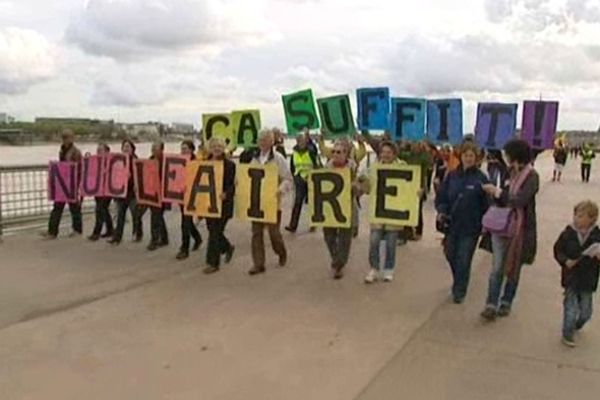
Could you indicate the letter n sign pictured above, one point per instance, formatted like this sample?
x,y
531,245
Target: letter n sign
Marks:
x,y
395,197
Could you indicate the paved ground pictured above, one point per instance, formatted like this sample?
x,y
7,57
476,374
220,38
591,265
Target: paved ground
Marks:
x,y
80,320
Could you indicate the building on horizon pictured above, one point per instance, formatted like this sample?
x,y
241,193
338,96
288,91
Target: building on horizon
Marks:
x,y
6,119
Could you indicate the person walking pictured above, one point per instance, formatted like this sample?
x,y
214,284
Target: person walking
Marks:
x,y
103,217
303,161
68,153
188,228
462,202
511,250
218,244
587,156
267,155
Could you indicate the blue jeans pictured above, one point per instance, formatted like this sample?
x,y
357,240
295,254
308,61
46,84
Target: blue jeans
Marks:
x,y
497,278
391,239
577,311
459,252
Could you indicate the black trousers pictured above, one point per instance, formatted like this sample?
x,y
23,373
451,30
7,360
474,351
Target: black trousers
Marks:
x,y
419,230
218,244
586,169
122,206
56,216
188,230
103,217
158,227
299,200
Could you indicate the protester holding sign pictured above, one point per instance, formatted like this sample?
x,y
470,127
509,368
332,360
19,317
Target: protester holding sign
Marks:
x,y
303,161
517,243
461,204
103,216
339,240
387,156
267,155
218,244
159,236
129,201
357,154
188,228
68,153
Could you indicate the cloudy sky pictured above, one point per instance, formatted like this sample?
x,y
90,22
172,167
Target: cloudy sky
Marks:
x,y
172,60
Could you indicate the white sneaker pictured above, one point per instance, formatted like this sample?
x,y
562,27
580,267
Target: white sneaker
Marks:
x,y
371,276
388,276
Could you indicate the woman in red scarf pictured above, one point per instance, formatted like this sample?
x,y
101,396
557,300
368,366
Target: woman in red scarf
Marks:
x,y
520,246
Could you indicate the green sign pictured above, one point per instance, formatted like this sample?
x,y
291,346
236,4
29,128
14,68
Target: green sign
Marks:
x,y
336,115
300,111
246,125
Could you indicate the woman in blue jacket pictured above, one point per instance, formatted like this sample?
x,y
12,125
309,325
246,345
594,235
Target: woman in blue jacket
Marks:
x,y
461,203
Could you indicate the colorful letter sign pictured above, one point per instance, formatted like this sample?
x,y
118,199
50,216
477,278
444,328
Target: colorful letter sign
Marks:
x,y
395,195
92,176
496,124
218,125
256,193
300,111
246,125
330,198
146,176
373,108
62,182
336,117
445,121
539,123
173,179
408,119
203,189
117,175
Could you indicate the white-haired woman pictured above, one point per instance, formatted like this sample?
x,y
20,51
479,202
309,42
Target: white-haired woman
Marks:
x,y
218,244
267,155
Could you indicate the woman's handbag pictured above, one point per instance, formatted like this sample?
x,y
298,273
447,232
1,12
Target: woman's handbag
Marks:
x,y
499,221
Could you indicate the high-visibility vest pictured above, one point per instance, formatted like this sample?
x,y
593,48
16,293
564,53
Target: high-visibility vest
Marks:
x,y
303,163
587,156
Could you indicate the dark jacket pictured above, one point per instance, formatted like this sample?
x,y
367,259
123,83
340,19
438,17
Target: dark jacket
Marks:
x,y
583,277
69,153
461,197
498,171
525,198
228,187
560,156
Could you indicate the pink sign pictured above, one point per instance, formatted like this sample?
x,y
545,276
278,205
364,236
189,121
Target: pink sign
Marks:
x,y
117,175
173,180
147,182
92,177
62,182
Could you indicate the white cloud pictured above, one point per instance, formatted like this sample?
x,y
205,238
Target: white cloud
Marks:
x,y
130,29
26,58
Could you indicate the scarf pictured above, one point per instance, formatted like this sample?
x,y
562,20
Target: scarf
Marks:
x,y
512,263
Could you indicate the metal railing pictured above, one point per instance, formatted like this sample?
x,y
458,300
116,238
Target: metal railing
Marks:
x,y
24,195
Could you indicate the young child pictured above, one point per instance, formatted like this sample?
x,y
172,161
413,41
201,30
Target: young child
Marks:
x,y
577,250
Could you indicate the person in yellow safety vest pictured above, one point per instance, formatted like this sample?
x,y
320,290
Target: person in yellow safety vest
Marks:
x,y
302,161
357,154
587,155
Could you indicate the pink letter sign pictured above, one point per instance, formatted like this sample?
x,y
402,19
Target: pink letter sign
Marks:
x,y
117,175
147,182
92,182
173,182
62,182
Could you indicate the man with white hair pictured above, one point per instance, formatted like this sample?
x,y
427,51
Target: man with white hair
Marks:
x,y
266,155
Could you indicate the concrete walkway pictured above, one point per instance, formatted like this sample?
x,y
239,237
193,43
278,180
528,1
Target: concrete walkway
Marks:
x,y
82,320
